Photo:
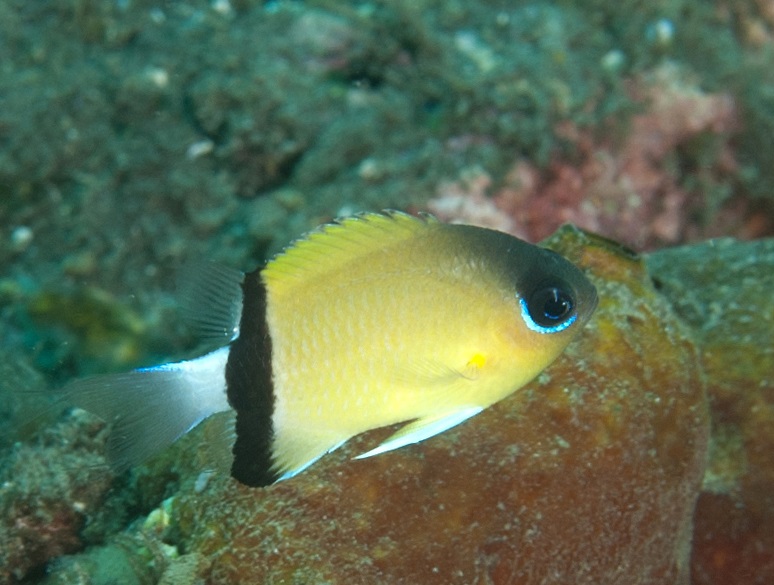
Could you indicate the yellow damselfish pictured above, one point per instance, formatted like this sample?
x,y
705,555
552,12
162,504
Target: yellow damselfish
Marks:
x,y
366,322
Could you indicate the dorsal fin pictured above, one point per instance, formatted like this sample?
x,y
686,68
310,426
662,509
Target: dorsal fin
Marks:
x,y
211,299
334,244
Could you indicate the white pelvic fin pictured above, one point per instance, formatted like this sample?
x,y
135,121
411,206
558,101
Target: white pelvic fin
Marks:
x,y
151,408
422,429
211,299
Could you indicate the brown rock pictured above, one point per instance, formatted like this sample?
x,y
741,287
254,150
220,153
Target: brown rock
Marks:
x,y
723,289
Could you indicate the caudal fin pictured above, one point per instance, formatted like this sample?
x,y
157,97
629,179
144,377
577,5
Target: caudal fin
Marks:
x,y
149,409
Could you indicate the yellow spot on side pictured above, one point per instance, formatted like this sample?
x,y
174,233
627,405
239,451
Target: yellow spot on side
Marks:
x,y
474,366
477,361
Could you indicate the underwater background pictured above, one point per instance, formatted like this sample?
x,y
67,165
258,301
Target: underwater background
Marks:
x,y
139,136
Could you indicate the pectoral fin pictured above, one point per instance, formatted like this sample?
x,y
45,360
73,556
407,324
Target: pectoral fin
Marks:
x,y
434,374
422,429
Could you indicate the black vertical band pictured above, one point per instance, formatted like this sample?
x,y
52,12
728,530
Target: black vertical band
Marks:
x,y
250,389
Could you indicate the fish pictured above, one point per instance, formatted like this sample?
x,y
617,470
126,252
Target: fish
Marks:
x,y
365,322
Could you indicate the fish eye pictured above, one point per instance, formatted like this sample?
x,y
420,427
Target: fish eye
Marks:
x,y
548,309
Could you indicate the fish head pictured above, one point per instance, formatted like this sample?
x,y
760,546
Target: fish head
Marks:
x,y
551,300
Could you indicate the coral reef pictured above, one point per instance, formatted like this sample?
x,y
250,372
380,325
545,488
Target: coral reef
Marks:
x,y
62,509
632,189
48,493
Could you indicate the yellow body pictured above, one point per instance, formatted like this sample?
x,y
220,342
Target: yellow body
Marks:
x,y
379,321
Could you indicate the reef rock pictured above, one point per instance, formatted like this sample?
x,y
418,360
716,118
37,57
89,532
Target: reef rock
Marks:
x,y
590,474
49,490
723,289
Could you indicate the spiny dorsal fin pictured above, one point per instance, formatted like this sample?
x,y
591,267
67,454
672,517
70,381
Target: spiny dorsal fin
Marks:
x,y
334,244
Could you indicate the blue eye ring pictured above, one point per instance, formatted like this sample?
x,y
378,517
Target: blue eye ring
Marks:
x,y
549,309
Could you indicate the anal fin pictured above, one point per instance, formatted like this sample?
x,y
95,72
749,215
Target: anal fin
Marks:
x,y
294,448
422,429
291,472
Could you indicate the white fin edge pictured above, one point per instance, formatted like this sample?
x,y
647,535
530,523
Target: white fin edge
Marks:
x,y
422,429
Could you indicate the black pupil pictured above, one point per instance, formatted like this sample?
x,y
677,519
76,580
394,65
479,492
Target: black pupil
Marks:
x,y
550,306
